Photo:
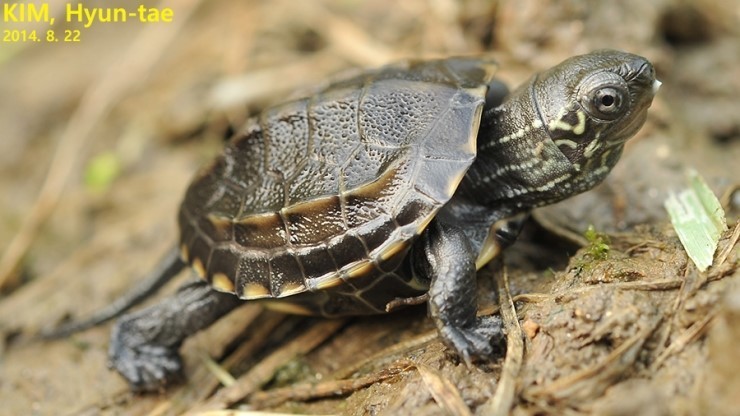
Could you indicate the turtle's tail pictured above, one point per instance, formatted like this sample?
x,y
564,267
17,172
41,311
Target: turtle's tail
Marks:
x,y
167,268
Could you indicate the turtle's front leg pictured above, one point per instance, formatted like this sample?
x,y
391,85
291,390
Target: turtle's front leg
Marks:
x,y
144,345
446,256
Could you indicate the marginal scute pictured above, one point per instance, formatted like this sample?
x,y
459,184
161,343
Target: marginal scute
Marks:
x,y
222,283
327,283
255,291
184,253
290,289
285,271
347,249
362,269
200,250
377,232
319,262
413,210
224,261
471,73
462,119
423,224
253,269
443,177
222,226
393,249
199,267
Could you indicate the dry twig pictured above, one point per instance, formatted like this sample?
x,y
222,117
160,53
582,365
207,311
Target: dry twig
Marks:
x,y
503,399
330,388
261,373
444,392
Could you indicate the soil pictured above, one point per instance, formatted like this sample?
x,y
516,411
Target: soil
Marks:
x,y
100,138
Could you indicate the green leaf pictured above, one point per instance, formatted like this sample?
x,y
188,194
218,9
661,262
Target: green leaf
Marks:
x,y
698,219
102,170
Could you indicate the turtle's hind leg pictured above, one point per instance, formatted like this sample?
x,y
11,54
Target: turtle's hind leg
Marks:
x,y
144,344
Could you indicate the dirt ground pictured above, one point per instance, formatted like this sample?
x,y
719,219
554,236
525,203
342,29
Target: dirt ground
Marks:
x,y
100,138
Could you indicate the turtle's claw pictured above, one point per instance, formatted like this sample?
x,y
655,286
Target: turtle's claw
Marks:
x,y
477,342
146,367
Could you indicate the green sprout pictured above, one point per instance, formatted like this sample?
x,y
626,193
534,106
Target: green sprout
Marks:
x,y
598,247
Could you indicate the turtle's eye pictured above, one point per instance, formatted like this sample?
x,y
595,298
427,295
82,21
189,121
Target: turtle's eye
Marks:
x,y
606,102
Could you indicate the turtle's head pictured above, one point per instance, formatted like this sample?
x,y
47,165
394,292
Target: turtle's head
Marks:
x,y
561,132
591,104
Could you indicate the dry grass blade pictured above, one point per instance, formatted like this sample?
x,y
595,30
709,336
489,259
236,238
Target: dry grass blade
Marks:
x,y
264,371
331,388
444,392
218,371
655,285
688,336
503,399
522,297
664,284
531,297
141,55
722,256
245,413
249,348
202,383
391,351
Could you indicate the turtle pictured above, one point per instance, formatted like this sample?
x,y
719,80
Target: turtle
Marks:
x,y
388,188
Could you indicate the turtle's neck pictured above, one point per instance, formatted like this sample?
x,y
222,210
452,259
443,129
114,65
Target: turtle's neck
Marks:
x,y
518,166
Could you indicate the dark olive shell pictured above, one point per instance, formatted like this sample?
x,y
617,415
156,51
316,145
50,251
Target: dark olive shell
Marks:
x,y
332,189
